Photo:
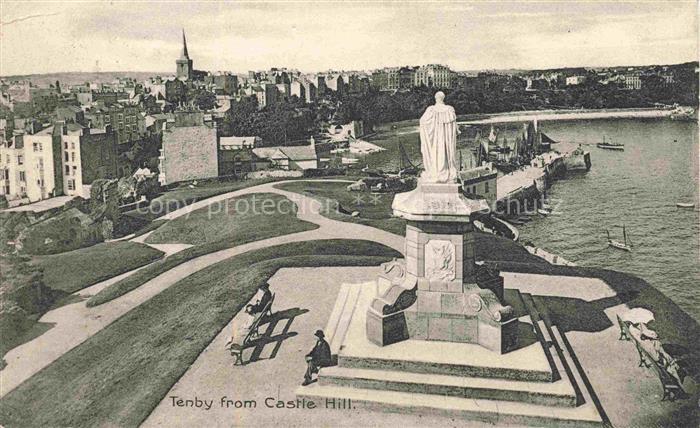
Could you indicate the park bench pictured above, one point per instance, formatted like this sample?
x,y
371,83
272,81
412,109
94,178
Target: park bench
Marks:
x,y
624,329
253,332
643,354
671,386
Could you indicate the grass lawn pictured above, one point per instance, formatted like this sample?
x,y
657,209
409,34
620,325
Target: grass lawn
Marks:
x,y
212,233
183,196
245,219
74,270
119,375
375,210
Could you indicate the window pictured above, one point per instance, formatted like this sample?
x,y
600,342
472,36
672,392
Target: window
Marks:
x,y
37,147
75,170
72,157
66,156
22,176
20,160
486,187
71,184
65,145
67,170
72,146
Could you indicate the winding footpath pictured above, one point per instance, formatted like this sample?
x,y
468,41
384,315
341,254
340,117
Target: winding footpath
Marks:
x,y
74,323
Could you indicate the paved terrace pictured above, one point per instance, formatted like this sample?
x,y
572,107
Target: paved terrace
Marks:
x,y
630,395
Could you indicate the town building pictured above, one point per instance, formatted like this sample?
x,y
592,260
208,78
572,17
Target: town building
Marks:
x,y
27,167
237,143
84,155
266,94
575,80
126,120
237,162
296,88
386,79
633,81
480,181
189,153
222,83
290,157
304,89
434,76
171,89
336,84
70,114
284,90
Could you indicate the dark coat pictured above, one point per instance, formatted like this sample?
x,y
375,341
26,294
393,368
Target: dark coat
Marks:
x,y
321,354
265,299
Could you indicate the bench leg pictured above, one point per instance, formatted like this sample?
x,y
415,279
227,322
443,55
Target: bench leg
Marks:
x,y
642,360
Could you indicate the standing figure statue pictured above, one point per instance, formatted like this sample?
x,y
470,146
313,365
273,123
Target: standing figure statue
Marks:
x,y
438,142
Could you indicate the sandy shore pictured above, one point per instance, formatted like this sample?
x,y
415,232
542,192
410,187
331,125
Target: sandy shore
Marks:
x,y
545,115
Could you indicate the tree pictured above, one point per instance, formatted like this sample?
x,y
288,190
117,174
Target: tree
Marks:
x,y
204,100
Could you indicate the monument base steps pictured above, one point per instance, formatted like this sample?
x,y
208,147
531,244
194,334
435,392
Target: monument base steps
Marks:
x,y
557,393
584,387
491,411
450,379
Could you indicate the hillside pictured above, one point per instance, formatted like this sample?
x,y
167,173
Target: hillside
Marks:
x,y
74,78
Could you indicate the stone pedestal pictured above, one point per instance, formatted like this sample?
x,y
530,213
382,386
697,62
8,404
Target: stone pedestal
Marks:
x,y
436,291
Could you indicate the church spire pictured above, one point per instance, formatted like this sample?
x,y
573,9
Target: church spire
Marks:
x,y
184,55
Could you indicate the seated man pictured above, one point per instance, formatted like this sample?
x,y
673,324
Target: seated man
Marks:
x,y
319,357
259,306
241,326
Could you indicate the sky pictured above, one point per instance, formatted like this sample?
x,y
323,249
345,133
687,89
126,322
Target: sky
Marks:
x,y
136,35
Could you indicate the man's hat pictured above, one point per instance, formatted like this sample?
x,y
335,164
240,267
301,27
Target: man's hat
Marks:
x,y
319,334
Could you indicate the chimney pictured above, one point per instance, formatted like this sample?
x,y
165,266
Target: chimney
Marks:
x,y
61,124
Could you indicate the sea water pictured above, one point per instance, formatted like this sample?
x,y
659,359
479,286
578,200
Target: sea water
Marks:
x,y
638,187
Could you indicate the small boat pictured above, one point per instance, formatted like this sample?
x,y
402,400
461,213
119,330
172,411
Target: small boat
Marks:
x,y
610,146
685,205
625,246
544,211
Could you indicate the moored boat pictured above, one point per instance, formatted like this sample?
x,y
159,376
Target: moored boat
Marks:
x,y
625,246
610,145
685,205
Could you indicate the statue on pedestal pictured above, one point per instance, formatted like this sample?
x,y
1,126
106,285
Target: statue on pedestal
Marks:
x,y
438,142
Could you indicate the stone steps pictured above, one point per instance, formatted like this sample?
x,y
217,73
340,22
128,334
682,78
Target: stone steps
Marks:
x,y
540,312
558,357
431,367
558,393
586,390
489,411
